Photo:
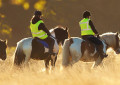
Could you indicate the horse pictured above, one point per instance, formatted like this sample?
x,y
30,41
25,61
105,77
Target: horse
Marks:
x,y
75,49
28,49
3,46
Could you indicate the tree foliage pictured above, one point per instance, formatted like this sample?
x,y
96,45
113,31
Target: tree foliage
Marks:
x,y
15,16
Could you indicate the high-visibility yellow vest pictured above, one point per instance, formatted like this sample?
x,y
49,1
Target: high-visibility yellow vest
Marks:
x,y
38,33
85,27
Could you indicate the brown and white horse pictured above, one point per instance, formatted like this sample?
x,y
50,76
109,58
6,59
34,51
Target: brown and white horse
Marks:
x,y
75,49
27,49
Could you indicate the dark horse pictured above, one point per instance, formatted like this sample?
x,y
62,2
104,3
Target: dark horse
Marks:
x,y
3,46
29,48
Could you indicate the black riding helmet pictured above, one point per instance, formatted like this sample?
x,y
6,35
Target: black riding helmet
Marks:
x,y
38,13
86,14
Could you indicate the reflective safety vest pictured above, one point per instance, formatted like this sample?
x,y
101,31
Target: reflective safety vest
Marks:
x,y
38,33
85,27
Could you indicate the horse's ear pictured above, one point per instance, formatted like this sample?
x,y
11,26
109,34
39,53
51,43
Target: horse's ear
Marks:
x,y
5,41
67,29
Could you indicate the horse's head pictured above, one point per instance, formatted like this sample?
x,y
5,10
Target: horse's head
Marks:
x,y
3,46
61,34
112,40
118,50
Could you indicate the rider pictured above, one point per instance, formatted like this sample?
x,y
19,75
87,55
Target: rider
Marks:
x,y
40,31
88,32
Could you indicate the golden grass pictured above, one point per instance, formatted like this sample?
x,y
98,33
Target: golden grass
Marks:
x,y
79,74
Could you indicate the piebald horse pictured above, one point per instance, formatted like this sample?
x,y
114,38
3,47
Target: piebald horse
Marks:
x,y
28,49
75,49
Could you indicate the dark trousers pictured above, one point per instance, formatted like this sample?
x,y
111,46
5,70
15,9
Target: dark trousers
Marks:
x,y
50,42
98,43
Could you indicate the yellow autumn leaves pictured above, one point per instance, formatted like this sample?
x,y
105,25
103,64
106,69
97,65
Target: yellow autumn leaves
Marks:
x,y
5,29
39,5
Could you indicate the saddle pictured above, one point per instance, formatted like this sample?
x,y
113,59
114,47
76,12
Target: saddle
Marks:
x,y
46,45
92,46
40,45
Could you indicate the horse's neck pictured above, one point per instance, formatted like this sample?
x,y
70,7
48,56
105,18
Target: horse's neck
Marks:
x,y
54,35
52,32
107,41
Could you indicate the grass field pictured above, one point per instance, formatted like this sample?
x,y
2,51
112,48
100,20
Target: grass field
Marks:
x,y
79,74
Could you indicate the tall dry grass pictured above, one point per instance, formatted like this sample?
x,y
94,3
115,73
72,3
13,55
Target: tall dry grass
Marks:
x,y
79,74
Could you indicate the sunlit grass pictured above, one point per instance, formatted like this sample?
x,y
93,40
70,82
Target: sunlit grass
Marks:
x,y
80,74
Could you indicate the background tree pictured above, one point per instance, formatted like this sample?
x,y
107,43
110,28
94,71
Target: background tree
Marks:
x,y
16,14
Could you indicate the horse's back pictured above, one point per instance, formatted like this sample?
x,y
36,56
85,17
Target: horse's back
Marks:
x,y
75,47
25,44
25,40
76,42
80,48
23,49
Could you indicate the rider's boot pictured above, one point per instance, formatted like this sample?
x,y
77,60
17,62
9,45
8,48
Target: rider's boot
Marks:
x,y
51,51
51,48
101,52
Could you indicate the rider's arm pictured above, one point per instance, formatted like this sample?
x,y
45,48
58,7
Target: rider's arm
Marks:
x,y
43,27
93,27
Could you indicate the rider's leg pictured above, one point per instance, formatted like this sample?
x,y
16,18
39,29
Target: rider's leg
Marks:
x,y
99,45
50,42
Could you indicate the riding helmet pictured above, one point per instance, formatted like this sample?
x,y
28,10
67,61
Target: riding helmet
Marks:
x,y
86,14
38,13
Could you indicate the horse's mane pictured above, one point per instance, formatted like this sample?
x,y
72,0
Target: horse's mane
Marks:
x,y
59,27
108,33
5,41
109,37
